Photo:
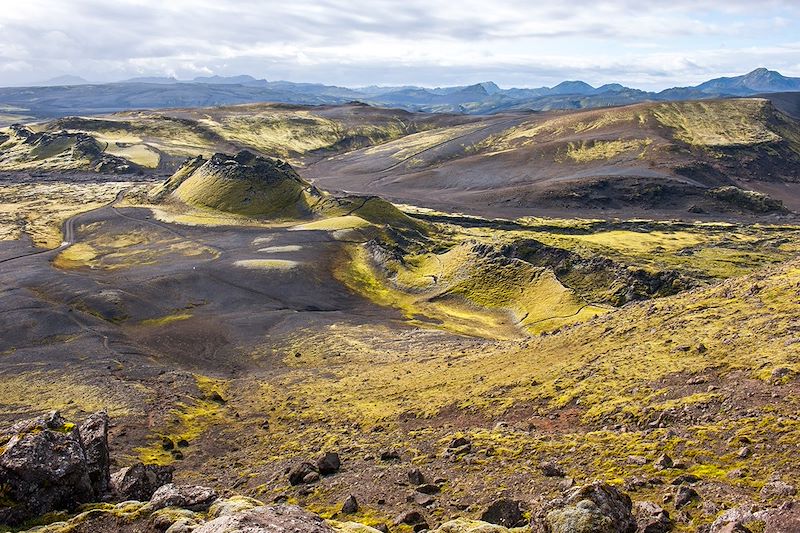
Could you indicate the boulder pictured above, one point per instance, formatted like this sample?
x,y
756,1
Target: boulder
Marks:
x,y
458,442
268,519
191,497
684,496
94,436
459,446
43,468
350,505
663,462
428,488
650,518
299,473
585,517
504,512
416,477
139,481
550,469
390,455
409,518
598,507
329,463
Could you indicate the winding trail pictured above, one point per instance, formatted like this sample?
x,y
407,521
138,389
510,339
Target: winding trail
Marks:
x,y
68,230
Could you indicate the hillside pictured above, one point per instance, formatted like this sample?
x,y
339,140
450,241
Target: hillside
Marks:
x,y
644,157
481,361
160,141
723,157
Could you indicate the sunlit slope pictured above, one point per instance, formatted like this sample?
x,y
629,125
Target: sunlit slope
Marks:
x,y
646,155
266,189
469,289
744,324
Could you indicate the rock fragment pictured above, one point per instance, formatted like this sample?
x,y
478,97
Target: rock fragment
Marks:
x,y
504,512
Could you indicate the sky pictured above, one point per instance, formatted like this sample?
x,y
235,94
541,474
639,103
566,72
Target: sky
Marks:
x,y
645,44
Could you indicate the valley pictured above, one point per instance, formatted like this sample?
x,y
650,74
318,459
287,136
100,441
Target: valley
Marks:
x,y
465,308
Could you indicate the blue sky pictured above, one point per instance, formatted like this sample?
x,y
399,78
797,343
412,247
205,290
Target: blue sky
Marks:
x,y
649,45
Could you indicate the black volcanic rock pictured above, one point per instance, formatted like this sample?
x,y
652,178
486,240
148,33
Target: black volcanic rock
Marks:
x,y
504,512
94,436
44,467
329,463
299,473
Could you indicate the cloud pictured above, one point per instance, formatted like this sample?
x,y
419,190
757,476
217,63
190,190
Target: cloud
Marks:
x,y
430,42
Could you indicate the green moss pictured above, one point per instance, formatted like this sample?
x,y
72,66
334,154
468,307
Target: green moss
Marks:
x,y
191,419
718,123
166,319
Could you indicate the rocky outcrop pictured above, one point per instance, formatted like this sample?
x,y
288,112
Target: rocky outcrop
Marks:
x,y
746,201
650,518
94,435
44,467
48,464
504,512
598,278
81,150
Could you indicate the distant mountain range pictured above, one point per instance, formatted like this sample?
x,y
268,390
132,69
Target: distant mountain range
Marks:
x,y
69,95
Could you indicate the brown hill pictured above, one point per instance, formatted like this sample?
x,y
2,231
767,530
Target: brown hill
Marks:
x,y
645,157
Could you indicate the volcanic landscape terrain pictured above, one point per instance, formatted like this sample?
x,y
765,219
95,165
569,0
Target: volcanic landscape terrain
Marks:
x,y
552,299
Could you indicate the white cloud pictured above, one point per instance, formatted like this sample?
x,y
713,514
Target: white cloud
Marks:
x,y
519,42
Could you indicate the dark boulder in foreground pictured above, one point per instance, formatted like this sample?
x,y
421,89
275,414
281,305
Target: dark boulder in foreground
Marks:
x,y
504,512
94,436
44,466
48,464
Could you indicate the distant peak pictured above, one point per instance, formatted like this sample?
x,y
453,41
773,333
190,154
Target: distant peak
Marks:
x,y
490,87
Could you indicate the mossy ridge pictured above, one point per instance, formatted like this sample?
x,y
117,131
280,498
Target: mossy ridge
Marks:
x,y
744,121
263,189
703,251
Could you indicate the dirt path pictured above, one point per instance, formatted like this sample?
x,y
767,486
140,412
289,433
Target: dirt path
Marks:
x,y
68,230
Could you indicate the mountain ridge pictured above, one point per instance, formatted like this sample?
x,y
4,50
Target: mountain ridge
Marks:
x,y
480,98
